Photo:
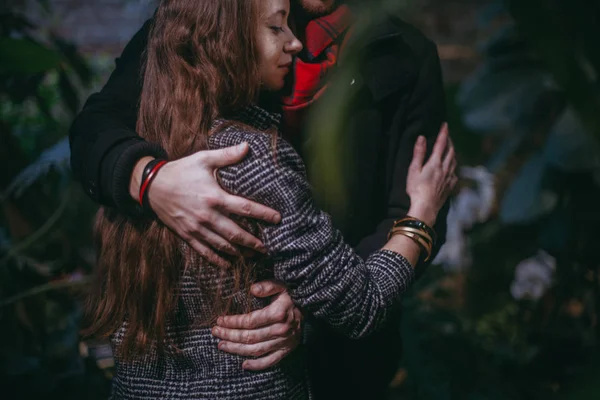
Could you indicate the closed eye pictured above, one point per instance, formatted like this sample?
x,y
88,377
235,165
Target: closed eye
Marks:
x,y
277,29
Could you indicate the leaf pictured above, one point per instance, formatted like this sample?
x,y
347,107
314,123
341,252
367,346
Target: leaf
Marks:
x,y
553,33
10,22
504,93
58,285
75,59
506,41
555,232
20,88
525,199
26,57
4,239
491,12
68,92
494,102
56,157
506,149
570,147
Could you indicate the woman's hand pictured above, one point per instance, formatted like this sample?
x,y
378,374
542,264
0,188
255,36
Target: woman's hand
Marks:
x,y
187,198
430,184
270,333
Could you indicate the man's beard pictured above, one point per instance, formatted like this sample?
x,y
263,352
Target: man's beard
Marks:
x,y
317,8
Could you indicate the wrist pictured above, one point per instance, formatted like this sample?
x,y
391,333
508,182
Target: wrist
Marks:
x,y
136,178
425,214
406,247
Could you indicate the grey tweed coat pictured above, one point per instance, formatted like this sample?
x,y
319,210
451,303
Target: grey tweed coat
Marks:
x,y
324,275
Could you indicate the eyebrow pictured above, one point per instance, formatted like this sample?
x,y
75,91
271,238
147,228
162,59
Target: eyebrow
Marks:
x,y
283,13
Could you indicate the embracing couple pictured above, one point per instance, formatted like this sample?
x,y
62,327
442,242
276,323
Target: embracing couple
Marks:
x,y
218,276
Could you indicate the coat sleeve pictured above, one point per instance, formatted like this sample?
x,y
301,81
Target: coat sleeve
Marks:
x,y
423,115
324,275
104,143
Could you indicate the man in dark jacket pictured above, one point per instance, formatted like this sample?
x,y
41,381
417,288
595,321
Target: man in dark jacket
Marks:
x,y
397,94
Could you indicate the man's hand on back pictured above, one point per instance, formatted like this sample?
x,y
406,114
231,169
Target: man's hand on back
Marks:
x,y
187,198
270,333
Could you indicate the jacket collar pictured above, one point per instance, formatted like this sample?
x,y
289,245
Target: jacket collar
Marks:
x,y
258,118
323,31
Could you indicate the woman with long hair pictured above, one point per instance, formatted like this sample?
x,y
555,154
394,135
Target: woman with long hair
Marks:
x,y
207,65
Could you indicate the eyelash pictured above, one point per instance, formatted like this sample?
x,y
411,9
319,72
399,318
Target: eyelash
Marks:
x,y
277,29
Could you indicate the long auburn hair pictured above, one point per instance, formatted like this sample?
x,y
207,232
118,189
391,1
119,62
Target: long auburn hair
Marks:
x,y
201,63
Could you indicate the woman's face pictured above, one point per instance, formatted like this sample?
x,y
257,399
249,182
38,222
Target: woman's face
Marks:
x,y
276,43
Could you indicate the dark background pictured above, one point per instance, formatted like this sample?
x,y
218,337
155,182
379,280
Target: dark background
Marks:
x,y
509,311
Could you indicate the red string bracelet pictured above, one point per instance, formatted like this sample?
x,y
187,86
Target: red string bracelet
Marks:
x,y
148,180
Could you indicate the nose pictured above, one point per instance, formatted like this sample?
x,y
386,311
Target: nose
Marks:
x,y
293,46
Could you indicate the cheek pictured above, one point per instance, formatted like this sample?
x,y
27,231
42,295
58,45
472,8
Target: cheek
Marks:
x,y
270,57
272,53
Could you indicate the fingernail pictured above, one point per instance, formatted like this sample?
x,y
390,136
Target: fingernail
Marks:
x,y
421,139
245,365
216,331
277,218
257,288
219,321
221,346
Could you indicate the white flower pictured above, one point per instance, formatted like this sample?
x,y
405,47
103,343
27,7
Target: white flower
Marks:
x,y
469,207
533,276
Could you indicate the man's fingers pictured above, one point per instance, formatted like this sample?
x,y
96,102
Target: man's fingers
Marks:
x,y
208,254
440,143
265,362
449,158
246,208
232,232
224,157
216,242
253,336
268,288
270,315
419,153
252,350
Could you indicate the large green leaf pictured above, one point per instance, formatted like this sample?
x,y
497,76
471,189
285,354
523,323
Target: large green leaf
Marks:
x,y
570,147
495,101
55,157
26,57
525,199
565,34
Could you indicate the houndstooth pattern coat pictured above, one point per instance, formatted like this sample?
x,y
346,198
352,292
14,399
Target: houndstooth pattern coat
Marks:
x,y
324,275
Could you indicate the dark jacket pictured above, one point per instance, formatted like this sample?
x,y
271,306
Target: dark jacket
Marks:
x,y
399,96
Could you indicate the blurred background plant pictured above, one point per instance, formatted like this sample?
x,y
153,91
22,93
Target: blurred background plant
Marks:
x,y
45,226
510,309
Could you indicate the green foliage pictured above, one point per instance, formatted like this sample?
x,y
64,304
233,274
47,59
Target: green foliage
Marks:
x,y
44,247
533,103
26,57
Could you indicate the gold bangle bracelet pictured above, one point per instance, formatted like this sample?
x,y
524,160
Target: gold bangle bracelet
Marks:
x,y
426,248
420,225
423,245
419,232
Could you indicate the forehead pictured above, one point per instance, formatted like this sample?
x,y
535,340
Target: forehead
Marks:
x,y
269,8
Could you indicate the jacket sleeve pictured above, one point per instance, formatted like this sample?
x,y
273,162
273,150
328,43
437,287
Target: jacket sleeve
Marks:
x,y
324,275
104,144
424,114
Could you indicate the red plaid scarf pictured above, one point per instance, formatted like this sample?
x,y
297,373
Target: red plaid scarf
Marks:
x,y
310,76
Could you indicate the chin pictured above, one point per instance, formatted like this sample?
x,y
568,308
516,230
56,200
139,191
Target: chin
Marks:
x,y
274,85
